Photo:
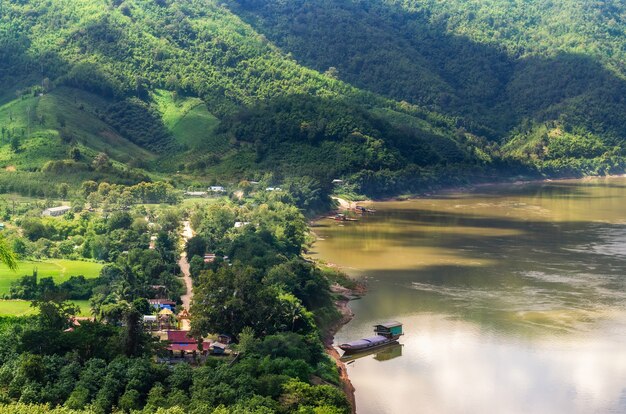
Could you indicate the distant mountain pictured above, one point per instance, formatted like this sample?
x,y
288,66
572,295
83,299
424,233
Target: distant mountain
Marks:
x,y
391,95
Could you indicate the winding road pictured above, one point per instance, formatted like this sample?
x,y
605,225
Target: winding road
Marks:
x,y
184,268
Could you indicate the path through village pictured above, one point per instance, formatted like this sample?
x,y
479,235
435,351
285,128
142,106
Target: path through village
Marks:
x,y
184,268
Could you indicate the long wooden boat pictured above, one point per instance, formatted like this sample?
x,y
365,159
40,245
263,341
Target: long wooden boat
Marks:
x,y
386,334
367,344
383,353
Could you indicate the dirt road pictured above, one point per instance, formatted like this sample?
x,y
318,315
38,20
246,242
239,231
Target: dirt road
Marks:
x,y
184,268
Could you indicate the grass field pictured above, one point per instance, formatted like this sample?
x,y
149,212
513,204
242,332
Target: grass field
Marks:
x,y
60,270
22,307
187,119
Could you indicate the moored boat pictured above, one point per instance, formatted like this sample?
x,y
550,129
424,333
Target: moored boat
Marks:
x,y
386,334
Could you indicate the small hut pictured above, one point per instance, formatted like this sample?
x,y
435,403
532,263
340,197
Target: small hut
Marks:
x,y
166,318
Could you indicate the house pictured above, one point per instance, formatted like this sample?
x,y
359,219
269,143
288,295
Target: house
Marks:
x,y
224,339
390,329
150,322
337,181
1,226
239,224
209,258
181,343
56,211
218,348
196,193
162,303
272,189
216,189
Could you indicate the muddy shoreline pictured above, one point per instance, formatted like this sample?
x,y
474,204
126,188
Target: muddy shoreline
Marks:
x,y
344,296
470,187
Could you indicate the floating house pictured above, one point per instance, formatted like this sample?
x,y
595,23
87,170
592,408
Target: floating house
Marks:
x,y
391,329
56,211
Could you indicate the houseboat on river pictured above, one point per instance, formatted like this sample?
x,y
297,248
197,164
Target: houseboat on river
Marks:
x,y
385,334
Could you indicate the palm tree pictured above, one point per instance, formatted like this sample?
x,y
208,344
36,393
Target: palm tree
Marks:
x,y
6,255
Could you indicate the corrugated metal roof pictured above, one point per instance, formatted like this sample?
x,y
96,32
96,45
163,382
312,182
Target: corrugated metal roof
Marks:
x,y
180,337
390,324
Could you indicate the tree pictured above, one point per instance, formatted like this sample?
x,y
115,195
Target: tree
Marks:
x,y
75,154
120,220
89,187
233,297
101,162
6,254
332,72
196,246
54,313
64,189
15,143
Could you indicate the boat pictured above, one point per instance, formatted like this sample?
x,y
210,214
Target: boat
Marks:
x,y
383,353
363,210
385,334
342,217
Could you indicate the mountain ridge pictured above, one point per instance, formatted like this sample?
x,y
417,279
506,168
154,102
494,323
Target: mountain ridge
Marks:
x,y
422,100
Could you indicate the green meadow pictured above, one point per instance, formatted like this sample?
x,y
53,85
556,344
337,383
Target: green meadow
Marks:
x,y
23,308
59,269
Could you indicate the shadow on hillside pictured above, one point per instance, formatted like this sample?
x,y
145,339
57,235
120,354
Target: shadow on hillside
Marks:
x,y
407,56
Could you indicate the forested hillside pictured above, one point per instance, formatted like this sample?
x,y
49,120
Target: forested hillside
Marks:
x,y
391,96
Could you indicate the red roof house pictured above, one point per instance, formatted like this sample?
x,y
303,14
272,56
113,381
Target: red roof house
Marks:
x,y
181,341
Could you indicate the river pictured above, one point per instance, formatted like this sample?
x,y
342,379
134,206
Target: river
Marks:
x,y
513,299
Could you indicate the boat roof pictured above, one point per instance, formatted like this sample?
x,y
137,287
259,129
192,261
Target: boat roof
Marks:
x,y
367,341
390,324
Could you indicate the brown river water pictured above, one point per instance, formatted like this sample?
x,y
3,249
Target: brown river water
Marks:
x,y
513,299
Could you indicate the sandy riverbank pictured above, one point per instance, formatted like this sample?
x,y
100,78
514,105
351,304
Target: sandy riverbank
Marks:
x,y
344,296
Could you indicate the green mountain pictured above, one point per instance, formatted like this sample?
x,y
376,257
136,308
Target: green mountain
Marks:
x,y
390,95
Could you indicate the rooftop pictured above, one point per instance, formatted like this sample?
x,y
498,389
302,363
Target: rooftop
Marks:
x,y
180,337
390,324
61,208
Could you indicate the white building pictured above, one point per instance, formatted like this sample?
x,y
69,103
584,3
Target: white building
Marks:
x,y
216,189
56,211
196,193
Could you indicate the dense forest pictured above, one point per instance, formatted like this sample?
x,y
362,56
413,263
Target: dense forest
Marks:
x,y
391,96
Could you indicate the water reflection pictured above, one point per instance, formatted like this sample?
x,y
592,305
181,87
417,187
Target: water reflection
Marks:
x,y
513,299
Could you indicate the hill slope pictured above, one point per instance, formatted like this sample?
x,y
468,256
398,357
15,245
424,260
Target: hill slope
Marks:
x,y
418,92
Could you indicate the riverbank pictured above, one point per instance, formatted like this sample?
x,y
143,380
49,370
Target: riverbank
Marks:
x,y
344,204
344,296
